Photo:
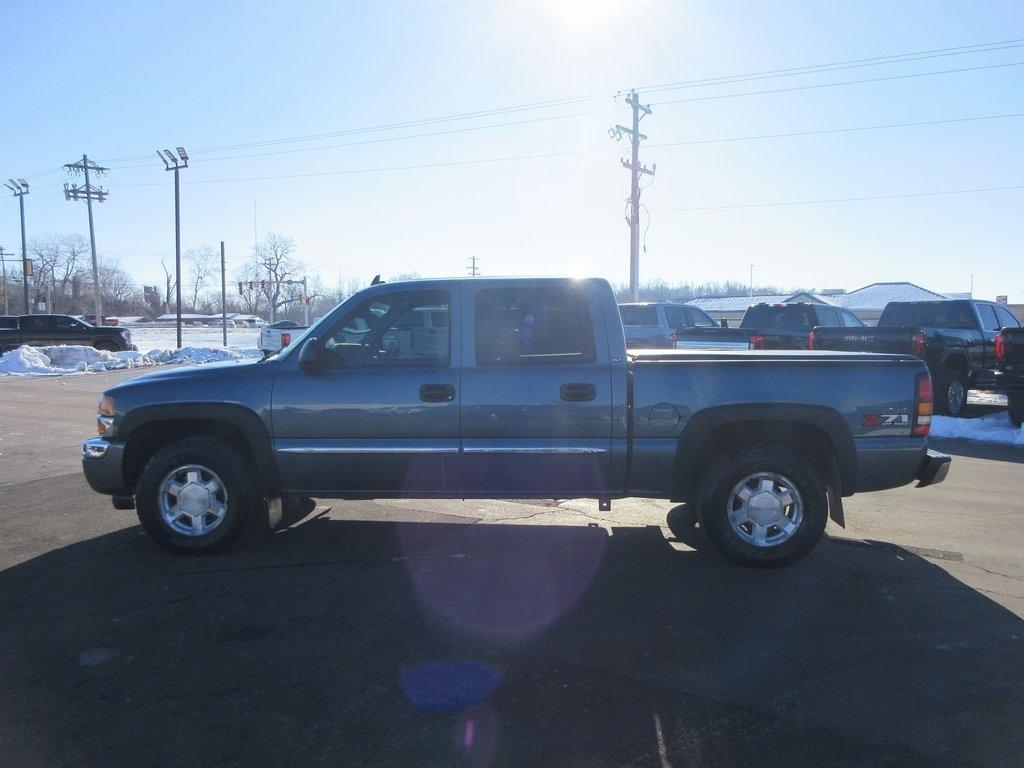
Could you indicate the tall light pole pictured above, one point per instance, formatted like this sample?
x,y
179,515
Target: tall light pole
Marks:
x,y
172,163
751,281
20,189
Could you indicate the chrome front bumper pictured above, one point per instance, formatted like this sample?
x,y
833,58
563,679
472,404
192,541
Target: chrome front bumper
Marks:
x,y
102,464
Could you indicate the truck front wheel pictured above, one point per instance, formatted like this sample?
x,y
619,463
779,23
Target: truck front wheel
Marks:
x,y
195,495
763,506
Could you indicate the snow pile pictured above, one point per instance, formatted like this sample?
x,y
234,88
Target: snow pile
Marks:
x,y
994,428
64,360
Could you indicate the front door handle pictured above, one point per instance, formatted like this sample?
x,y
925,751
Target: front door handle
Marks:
x,y
577,392
437,393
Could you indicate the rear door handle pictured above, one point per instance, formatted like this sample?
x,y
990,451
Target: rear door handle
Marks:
x,y
437,393
577,392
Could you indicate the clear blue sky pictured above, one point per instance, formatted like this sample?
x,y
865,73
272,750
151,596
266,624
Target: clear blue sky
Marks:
x,y
120,79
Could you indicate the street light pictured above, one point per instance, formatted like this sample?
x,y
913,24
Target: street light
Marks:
x,y
171,163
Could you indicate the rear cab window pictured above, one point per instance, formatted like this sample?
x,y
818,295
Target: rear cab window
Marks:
x,y
634,315
533,325
784,318
949,314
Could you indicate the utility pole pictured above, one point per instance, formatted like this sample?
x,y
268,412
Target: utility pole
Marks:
x,y
88,193
636,170
20,189
474,270
223,296
751,281
3,264
305,302
171,163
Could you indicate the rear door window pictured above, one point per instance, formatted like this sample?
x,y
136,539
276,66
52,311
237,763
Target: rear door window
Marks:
x,y
676,318
828,316
1007,318
699,319
989,321
533,325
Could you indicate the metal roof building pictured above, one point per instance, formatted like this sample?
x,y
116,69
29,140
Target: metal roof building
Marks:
x,y
731,308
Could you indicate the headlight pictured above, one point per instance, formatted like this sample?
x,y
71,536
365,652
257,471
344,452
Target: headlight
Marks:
x,y
105,417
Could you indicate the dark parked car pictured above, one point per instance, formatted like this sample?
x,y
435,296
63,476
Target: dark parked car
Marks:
x,y
956,338
53,330
520,388
1009,354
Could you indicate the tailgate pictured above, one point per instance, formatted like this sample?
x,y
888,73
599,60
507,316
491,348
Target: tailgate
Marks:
x,y
881,340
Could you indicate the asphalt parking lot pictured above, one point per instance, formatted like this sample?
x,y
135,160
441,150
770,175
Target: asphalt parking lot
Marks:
x,y
496,633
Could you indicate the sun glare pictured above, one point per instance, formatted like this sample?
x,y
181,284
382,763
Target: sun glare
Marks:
x,y
583,17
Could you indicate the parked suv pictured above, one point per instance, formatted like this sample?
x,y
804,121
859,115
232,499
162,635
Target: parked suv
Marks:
x,y
654,324
53,330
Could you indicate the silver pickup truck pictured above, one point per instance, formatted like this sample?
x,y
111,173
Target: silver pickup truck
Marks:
x,y
514,388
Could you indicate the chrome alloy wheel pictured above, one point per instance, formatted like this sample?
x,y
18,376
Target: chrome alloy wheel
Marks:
x,y
765,509
193,500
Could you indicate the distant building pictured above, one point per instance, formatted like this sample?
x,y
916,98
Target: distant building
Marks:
x,y
868,302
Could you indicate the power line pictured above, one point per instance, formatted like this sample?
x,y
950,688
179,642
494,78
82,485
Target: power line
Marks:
x,y
823,201
845,129
794,88
977,48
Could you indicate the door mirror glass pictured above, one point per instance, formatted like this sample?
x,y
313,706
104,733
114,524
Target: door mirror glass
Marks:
x,y
311,356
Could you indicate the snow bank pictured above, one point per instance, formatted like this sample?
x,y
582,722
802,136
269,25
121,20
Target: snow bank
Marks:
x,y
994,428
64,360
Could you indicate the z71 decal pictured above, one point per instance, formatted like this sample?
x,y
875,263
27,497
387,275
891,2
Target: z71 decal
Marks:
x,y
887,420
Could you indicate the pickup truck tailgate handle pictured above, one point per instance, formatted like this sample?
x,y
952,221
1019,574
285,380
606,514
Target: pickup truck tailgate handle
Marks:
x,y
437,393
577,393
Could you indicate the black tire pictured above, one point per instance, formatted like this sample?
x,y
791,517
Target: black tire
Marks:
x,y
239,495
1015,409
716,501
950,383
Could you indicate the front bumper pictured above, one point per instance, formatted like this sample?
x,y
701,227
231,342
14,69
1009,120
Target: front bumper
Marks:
x,y
103,465
934,468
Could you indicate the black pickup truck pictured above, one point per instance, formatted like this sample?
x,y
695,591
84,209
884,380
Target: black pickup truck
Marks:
x,y
54,330
786,326
1009,354
956,338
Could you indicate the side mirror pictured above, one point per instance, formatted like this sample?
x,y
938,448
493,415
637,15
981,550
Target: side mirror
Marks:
x,y
311,356
724,323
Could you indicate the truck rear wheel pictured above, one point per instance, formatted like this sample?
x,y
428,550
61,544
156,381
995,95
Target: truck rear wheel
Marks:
x,y
195,496
1015,409
764,506
951,397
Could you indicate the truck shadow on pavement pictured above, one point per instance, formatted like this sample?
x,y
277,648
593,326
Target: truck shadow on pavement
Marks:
x,y
357,642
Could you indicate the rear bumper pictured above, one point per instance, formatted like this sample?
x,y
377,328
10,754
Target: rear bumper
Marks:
x,y
934,468
103,466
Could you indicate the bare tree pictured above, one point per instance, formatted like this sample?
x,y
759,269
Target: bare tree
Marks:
x,y
200,266
170,284
275,257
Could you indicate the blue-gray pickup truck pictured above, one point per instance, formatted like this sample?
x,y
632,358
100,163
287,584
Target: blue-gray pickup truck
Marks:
x,y
519,388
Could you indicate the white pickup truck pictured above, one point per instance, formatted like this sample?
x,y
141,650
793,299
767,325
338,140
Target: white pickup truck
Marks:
x,y
276,337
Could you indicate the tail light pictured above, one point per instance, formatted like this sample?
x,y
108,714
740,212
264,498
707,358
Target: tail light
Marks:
x,y
925,403
917,344
1000,348
286,339
812,339
757,341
